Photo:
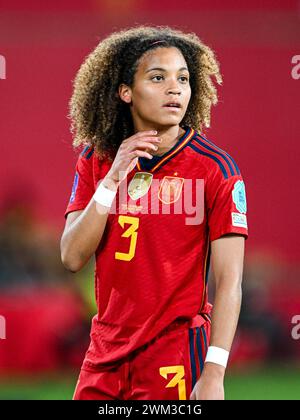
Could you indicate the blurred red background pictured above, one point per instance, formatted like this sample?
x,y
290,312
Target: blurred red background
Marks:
x,y
256,120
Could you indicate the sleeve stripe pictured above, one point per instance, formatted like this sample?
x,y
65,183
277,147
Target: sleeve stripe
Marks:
x,y
87,151
89,155
194,147
222,151
214,150
84,150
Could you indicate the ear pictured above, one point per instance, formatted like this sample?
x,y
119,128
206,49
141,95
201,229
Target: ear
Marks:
x,y
125,93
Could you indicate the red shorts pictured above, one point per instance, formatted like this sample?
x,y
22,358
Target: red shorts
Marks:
x,y
166,368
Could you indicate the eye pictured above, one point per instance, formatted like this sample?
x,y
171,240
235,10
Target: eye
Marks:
x,y
184,79
157,78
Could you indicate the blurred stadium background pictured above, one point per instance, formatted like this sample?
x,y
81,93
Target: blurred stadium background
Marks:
x,y
46,309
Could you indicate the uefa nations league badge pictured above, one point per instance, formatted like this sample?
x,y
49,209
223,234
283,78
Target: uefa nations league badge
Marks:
x,y
74,187
239,196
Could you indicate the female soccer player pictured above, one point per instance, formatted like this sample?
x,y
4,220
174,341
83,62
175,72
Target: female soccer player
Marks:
x,y
155,201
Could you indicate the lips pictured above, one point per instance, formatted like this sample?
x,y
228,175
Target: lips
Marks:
x,y
172,105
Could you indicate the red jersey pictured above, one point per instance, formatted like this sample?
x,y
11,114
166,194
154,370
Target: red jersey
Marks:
x,y
153,259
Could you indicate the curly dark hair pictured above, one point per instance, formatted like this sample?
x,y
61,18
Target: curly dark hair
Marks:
x,y
101,119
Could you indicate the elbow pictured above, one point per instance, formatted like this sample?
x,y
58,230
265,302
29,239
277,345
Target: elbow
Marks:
x,y
71,262
230,285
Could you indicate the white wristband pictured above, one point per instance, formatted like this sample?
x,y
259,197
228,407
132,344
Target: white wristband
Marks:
x,y
104,196
217,355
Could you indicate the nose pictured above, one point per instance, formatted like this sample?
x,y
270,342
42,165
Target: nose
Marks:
x,y
174,87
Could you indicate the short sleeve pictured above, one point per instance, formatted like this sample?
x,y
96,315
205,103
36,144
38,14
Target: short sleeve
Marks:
x,y
227,212
83,183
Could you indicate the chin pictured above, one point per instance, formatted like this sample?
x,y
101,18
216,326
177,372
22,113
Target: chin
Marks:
x,y
162,126
169,122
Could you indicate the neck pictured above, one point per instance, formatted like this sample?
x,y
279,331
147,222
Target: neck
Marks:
x,y
169,137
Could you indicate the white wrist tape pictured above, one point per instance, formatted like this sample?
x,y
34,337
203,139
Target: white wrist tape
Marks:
x,y
104,196
217,355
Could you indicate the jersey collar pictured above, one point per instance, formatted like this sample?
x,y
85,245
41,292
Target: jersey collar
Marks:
x,y
156,162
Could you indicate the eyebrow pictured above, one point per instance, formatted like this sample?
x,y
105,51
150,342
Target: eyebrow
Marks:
x,y
161,69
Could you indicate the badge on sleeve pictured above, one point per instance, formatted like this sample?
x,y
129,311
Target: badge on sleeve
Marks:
x,y
74,187
239,196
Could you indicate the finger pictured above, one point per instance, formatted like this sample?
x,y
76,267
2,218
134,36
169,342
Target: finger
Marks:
x,y
141,134
151,139
143,145
139,153
146,139
193,395
145,133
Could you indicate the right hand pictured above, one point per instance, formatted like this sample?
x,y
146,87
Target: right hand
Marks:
x,y
138,145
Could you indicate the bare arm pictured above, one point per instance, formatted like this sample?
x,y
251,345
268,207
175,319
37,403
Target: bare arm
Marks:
x,y
227,263
83,232
84,229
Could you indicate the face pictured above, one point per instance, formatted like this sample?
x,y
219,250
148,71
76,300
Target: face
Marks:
x,y
161,90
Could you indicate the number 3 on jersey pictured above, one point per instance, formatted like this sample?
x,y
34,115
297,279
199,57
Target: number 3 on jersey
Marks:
x,y
129,233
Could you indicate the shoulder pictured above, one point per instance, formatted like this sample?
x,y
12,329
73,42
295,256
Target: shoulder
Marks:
x,y
85,160
86,153
90,161
218,161
88,156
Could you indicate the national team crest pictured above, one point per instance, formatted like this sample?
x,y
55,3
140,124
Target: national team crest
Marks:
x,y
139,185
170,189
239,196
